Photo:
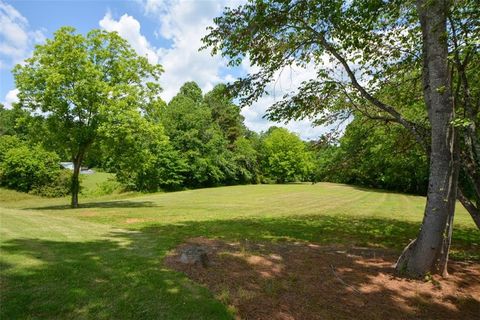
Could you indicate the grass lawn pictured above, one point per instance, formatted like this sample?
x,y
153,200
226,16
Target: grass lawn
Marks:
x,y
98,183
105,259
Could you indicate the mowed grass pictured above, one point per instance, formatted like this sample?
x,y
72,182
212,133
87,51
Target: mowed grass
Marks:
x,y
105,259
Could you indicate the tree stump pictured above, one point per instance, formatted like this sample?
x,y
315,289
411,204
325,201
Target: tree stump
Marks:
x,y
194,255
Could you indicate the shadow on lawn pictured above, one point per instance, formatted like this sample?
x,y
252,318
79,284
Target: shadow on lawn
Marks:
x,y
105,204
117,278
304,281
325,229
123,276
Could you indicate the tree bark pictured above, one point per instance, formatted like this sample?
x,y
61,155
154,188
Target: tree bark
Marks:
x,y
471,208
429,252
75,187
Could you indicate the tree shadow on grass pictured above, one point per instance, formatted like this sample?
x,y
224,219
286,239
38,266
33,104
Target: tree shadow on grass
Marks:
x,y
305,281
105,204
103,279
122,276
325,229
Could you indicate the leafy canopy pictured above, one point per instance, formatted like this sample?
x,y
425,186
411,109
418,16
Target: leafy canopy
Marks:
x,y
74,81
81,84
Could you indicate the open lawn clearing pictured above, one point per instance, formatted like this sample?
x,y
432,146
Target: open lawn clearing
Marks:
x,y
105,259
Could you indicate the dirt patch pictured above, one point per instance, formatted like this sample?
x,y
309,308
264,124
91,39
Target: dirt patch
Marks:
x,y
88,214
307,281
135,220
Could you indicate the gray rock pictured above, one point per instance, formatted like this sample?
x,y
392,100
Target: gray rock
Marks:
x,y
194,255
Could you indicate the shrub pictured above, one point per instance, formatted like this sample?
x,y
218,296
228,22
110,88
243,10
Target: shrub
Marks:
x,y
59,187
33,169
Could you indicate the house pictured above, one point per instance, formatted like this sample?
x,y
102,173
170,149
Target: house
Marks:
x,y
69,166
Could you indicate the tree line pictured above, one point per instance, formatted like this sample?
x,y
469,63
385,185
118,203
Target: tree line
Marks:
x,y
200,140
93,101
196,140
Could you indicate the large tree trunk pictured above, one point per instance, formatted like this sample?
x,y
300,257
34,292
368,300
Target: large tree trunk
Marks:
x,y
429,252
75,187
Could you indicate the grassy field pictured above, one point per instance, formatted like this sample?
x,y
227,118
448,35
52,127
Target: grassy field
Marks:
x,y
98,183
105,259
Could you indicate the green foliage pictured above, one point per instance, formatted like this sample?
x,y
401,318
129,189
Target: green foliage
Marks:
x,y
225,113
285,156
140,154
375,156
198,139
191,90
34,169
78,82
31,169
209,134
58,187
8,142
12,121
246,158
108,187
273,34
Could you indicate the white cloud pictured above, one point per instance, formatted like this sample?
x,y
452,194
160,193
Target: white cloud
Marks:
x,y
129,29
184,23
10,98
284,81
16,38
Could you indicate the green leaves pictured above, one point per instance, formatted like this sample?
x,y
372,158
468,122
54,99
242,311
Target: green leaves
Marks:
x,y
27,168
372,35
285,156
83,84
73,78
372,155
194,133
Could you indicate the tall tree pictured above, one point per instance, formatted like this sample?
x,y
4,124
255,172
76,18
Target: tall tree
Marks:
x,y
225,113
371,43
74,80
189,124
429,252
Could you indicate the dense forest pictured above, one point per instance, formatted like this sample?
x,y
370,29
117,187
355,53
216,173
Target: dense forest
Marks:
x,y
200,140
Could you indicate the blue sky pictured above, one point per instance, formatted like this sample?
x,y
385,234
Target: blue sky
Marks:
x,y
168,32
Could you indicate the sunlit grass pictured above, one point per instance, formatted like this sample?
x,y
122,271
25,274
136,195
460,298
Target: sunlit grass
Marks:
x,y
104,260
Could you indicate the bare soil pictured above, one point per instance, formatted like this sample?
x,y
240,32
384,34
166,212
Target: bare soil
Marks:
x,y
308,281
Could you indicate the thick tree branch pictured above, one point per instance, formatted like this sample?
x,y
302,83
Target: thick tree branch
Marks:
x,y
473,210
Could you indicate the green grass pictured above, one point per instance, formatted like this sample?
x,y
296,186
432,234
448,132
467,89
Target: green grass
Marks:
x,y
104,260
98,183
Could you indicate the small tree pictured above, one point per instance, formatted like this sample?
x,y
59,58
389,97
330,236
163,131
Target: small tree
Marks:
x,y
286,157
74,80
